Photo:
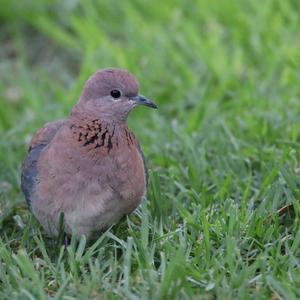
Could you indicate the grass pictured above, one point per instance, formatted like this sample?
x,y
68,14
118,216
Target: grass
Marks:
x,y
222,149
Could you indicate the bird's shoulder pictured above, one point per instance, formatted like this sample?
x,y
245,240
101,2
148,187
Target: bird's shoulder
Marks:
x,y
45,134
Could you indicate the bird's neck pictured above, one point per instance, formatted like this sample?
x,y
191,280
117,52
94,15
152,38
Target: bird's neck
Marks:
x,y
100,134
86,121
86,112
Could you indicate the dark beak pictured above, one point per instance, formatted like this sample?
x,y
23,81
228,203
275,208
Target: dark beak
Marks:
x,y
141,100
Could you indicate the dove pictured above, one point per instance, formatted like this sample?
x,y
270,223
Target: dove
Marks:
x,y
88,168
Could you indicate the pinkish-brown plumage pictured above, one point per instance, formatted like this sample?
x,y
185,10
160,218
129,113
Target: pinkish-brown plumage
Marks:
x,y
88,167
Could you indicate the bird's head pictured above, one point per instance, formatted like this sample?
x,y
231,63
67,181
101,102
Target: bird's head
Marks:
x,y
111,94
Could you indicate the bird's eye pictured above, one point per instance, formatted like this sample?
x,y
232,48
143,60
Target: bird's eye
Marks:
x,y
115,94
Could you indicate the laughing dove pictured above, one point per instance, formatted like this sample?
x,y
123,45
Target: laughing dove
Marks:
x,y
90,166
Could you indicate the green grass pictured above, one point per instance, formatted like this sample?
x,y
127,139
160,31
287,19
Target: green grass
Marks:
x,y
223,148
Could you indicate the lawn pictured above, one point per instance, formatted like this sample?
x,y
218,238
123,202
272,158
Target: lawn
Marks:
x,y
222,150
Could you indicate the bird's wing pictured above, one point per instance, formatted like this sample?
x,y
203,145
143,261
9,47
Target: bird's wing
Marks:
x,y
29,168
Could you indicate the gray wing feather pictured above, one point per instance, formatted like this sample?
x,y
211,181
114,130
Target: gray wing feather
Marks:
x,y
30,172
29,176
